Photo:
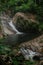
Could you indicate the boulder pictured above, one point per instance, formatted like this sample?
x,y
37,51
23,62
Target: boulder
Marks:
x,y
24,23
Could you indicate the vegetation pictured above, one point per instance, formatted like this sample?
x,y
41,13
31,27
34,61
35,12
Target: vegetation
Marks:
x,y
22,5
16,5
7,53
8,57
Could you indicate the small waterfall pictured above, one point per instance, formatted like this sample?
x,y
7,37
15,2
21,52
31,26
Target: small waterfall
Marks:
x,y
8,24
29,54
14,28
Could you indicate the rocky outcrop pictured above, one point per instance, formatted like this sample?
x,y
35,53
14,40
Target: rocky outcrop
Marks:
x,y
35,44
25,23
24,16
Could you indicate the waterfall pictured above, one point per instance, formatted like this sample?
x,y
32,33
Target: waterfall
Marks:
x,y
8,25
29,54
14,28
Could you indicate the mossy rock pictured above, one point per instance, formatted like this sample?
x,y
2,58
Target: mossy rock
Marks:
x,y
27,26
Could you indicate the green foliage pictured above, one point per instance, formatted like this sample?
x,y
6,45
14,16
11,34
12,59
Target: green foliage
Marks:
x,y
22,5
4,49
29,62
16,5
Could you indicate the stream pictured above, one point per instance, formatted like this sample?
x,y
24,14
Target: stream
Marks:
x,y
13,35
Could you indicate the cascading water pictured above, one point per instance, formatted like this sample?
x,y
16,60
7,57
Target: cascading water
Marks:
x,y
9,26
29,54
13,36
14,28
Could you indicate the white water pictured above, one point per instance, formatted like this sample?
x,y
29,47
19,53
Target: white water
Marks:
x,y
28,54
4,20
14,28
